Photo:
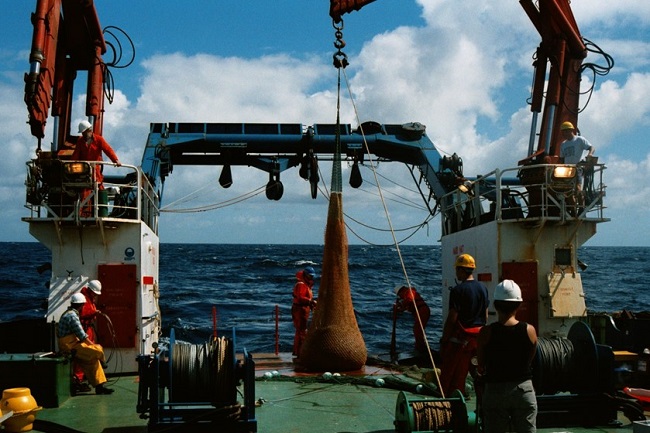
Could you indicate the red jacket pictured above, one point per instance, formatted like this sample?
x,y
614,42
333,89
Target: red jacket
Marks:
x,y
406,297
88,314
302,294
93,152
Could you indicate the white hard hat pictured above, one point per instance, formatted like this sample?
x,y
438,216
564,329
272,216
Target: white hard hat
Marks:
x,y
507,290
84,125
95,286
78,298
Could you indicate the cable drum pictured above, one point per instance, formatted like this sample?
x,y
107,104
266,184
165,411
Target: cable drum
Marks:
x,y
551,372
203,373
568,364
418,414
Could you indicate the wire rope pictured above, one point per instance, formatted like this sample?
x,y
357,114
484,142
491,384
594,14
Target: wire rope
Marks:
x,y
214,206
554,357
396,244
203,372
416,228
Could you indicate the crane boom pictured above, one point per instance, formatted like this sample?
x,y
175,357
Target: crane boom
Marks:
x,y
274,148
67,38
562,48
340,7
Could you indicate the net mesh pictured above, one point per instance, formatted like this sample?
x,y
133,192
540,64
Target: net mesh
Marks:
x,y
334,341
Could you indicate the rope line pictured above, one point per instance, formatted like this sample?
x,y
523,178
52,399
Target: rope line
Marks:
x,y
432,415
396,244
213,206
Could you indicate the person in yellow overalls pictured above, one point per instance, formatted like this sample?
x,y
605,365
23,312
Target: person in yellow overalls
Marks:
x,y
74,340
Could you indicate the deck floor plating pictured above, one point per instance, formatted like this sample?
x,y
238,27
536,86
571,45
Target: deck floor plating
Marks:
x,y
291,402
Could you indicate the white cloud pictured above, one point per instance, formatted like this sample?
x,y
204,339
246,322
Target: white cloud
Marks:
x,y
616,108
465,74
206,88
624,190
609,13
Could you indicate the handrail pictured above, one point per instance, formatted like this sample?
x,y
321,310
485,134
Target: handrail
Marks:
x,y
125,195
528,193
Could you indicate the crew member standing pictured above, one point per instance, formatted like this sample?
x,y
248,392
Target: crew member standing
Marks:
x,y
410,300
90,147
573,146
505,354
88,319
89,312
572,149
468,309
303,303
72,338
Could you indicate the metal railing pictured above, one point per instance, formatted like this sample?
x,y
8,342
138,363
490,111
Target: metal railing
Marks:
x,y
57,192
528,193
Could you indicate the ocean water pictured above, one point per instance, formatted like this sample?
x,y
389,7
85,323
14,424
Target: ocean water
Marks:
x,y
247,284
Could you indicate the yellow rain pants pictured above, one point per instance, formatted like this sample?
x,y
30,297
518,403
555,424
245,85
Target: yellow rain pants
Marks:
x,y
88,356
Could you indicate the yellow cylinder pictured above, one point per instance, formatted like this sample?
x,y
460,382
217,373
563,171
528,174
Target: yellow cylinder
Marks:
x,y
24,407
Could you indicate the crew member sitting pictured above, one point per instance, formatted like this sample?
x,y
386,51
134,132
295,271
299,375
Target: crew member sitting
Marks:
x,y
73,339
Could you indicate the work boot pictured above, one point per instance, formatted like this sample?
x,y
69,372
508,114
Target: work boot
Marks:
x,y
100,389
79,386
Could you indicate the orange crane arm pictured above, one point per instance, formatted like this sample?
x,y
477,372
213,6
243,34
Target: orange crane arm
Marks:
x,y
563,50
67,38
340,7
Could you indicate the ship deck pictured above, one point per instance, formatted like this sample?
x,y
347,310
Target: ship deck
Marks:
x,y
287,402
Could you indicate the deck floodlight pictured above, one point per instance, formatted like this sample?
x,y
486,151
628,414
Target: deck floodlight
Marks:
x,y
563,178
77,174
76,168
465,187
564,172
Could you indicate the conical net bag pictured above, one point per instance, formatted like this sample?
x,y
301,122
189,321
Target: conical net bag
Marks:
x,y
334,341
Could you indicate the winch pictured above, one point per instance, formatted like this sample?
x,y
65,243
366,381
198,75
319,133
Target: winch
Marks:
x,y
195,386
425,414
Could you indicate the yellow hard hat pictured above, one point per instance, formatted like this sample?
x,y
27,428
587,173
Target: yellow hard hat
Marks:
x,y
465,261
566,125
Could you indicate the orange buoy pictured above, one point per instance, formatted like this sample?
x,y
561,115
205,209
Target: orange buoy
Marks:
x,y
24,407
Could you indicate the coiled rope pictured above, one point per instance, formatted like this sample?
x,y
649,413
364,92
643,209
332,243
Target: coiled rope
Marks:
x,y
432,415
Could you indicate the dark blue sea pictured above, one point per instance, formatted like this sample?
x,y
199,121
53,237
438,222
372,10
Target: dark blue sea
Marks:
x,y
246,282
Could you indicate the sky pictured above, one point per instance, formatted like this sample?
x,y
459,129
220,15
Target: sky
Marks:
x,y
462,70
